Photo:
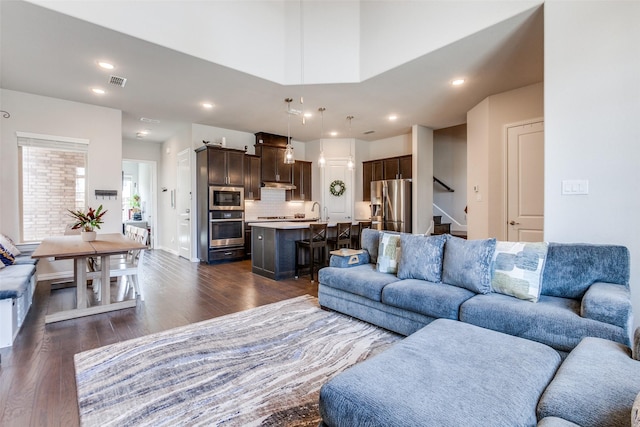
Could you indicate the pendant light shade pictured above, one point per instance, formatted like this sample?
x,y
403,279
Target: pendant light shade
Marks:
x,y
321,159
288,151
350,164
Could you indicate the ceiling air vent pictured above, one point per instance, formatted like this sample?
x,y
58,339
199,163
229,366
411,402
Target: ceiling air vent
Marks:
x,y
148,120
369,132
117,81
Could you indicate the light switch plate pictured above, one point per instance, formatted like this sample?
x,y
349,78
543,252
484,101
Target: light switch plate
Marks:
x,y
574,187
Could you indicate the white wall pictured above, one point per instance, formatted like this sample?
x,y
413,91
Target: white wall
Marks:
x,y
486,154
592,105
450,166
56,117
389,147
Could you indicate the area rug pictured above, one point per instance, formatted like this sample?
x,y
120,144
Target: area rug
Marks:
x,y
263,366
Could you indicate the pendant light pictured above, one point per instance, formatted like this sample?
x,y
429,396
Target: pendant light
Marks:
x,y
321,159
288,152
350,164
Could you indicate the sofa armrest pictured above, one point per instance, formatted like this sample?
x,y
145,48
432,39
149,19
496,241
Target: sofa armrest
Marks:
x,y
608,303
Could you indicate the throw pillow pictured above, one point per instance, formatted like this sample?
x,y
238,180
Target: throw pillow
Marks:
x,y
421,257
6,257
388,253
9,244
467,263
518,268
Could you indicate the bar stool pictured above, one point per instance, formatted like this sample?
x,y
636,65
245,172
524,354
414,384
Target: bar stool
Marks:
x,y
343,236
355,239
316,240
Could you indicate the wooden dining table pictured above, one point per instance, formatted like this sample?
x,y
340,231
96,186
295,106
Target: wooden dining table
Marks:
x,y
73,247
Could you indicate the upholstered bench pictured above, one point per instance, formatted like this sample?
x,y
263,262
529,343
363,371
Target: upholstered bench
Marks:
x,y
447,374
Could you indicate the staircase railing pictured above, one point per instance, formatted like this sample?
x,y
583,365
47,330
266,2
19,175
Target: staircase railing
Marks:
x,y
463,226
449,189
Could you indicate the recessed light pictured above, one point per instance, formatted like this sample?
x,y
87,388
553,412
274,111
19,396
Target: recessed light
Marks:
x,y
98,91
106,65
393,117
207,105
144,132
334,133
308,115
457,82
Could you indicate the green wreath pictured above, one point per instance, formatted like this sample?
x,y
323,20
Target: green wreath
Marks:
x,y
337,188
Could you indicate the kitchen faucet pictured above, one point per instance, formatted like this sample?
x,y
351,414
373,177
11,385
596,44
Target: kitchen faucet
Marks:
x,y
313,207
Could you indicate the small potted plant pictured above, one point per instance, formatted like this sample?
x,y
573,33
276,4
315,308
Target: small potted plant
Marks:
x,y
87,222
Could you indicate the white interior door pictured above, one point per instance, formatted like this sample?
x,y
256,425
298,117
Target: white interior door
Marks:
x,y
339,208
183,204
525,182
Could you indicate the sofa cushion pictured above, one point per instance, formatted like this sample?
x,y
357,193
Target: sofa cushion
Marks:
x,y
553,321
517,269
421,257
571,268
595,386
446,374
388,253
363,280
14,280
555,422
437,300
467,263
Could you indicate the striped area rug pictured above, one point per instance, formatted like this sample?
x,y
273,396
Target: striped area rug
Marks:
x,y
259,367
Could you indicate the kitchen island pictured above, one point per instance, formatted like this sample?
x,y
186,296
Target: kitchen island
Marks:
x,y
273,247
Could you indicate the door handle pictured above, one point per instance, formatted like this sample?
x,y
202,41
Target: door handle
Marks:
x,y
512,222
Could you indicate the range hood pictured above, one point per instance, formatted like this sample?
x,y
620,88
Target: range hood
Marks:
x,y
280,185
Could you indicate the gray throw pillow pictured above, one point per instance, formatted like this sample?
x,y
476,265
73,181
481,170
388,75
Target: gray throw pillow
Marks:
x,y
467,263
421,257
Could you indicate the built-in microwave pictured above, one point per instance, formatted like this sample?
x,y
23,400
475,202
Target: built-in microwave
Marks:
x,y
226,198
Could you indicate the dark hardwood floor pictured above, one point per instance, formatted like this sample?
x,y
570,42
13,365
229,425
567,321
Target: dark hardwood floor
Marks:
x,y
37,383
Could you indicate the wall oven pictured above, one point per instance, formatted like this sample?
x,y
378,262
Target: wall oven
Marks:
x,y
226,198
226,228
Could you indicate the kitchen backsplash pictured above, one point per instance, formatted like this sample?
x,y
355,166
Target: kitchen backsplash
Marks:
x,y
273,203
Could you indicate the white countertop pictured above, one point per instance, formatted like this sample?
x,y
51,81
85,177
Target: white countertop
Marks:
x,y
291,225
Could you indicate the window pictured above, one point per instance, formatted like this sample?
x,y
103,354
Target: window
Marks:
x,y
52,180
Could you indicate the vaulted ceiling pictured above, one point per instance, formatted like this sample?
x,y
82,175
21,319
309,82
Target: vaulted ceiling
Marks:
x,y
49,53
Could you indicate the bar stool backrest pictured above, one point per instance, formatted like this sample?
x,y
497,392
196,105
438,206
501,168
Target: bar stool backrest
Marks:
x,y
318,232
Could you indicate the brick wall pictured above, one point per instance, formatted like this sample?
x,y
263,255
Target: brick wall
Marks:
x,y
52,182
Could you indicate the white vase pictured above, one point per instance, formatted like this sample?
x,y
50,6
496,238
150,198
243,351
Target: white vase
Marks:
x,y
88,236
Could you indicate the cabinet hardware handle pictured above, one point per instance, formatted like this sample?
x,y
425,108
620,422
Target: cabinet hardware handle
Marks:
x,y
259,237
228,253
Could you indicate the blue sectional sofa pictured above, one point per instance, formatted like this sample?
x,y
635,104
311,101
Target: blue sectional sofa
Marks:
x,y
584,292
492,361
17,285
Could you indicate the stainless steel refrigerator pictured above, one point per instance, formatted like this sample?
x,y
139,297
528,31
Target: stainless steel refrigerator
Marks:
x,y
391,204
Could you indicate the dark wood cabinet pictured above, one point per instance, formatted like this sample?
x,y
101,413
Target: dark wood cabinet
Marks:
x,y
371,171
252,177
274,169
389,168
270,148
226,166
397,167
301,178
405,167
216,166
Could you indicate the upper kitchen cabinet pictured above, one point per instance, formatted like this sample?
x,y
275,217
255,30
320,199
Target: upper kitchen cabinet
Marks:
x,y
388,168
301,178
252,177
270,148
397,167
226,166
371,171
